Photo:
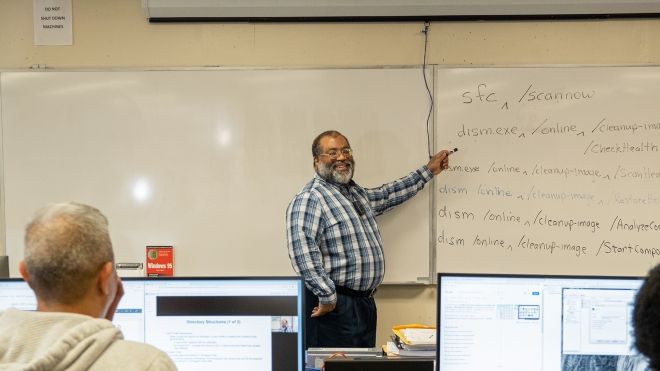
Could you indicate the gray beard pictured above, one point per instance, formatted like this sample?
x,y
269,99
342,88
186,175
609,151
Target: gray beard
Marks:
x,y
331,175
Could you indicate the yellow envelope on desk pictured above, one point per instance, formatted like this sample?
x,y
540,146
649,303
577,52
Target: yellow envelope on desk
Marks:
x,y
415,336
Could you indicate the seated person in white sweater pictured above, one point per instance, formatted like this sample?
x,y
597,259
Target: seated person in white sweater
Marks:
x,y
69,263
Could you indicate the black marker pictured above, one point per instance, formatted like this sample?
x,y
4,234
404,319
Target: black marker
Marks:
x,y
452,151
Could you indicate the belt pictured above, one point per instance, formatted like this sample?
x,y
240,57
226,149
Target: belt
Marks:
x,y
350,292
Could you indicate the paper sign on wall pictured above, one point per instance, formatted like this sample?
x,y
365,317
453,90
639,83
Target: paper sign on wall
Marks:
x,y
52,22
160,261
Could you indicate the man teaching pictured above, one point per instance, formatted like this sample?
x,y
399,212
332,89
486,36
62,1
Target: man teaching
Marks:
x,y
335,245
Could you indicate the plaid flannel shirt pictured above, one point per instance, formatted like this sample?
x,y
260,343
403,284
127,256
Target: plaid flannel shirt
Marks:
x,y
330,242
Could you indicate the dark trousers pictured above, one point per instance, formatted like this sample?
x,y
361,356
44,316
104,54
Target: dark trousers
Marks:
x,y
351,325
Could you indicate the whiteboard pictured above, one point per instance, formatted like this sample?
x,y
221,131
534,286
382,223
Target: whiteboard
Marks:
x,y
208,160
557,170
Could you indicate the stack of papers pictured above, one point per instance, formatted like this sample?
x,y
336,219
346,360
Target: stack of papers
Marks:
x,y
393,350
412,341
418,338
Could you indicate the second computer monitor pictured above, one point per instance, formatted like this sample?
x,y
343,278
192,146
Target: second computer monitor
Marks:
x,y
541,323
206,323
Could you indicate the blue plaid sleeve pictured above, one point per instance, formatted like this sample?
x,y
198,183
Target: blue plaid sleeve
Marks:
x,y
304,223
392,194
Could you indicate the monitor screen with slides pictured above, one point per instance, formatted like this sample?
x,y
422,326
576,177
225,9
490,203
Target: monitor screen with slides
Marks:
x,y
543,323
229,323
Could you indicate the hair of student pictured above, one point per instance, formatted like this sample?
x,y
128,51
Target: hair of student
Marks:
x,y
316,144
646,318
66,245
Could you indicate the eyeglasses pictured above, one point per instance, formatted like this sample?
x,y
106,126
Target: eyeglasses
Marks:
x,y
334,154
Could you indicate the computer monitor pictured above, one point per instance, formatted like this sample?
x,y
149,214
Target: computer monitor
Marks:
x,y
228,323
543,323
15,293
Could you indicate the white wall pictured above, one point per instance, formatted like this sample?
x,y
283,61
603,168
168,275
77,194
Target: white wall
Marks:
x,y
113,34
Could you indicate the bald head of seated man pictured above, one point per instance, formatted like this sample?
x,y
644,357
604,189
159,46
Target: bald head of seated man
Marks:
x,y
69,264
